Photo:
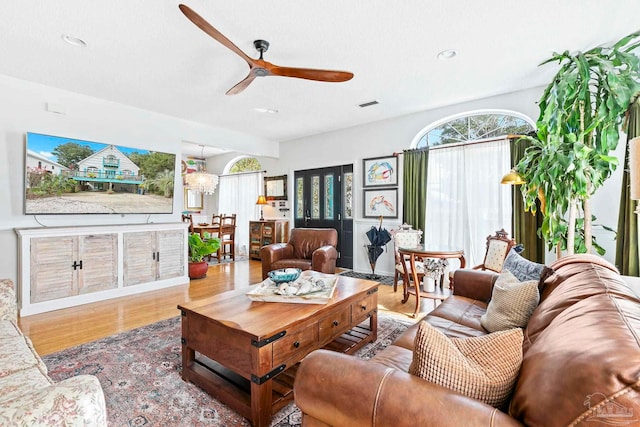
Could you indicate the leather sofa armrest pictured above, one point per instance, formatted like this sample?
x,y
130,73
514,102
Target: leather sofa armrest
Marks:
x,y
324,259
338,390
272,253
474,284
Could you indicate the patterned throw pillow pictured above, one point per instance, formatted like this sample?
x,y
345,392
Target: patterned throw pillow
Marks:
x,y
512,303
522,268
484,368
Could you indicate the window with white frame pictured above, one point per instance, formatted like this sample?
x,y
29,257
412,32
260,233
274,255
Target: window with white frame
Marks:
x,y
468,156
238,189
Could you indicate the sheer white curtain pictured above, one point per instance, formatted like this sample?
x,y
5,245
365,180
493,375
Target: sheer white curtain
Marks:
x,y
237,195
465,200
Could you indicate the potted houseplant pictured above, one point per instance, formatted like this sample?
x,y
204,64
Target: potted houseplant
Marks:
x,y
198,249
580,116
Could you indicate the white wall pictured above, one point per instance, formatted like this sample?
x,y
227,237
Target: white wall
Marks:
x,y
385,137
22,109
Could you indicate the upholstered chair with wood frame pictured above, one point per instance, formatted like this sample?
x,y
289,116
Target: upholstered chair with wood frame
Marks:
x,y
405,237
498,246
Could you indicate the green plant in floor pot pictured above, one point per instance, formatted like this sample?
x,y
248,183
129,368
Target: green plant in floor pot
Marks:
x,y
198,249
581,112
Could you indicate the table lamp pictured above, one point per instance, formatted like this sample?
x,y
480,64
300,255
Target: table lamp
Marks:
x,y
261,201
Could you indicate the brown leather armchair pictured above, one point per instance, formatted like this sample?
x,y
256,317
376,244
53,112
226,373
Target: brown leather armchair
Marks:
x,y
307,249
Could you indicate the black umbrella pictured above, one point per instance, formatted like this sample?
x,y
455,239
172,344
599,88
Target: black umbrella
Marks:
x,y
378,237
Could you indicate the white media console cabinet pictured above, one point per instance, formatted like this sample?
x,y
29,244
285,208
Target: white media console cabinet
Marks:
x,y
61,267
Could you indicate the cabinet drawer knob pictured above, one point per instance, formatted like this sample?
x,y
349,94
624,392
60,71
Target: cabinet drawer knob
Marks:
x,y
336,323
363,307
296,344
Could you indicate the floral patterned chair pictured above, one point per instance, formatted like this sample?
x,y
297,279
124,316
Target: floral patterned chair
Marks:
x,y
28,397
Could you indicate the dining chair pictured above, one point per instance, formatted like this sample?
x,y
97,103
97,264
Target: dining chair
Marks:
x,y
188,218
216,219
405,237
227,237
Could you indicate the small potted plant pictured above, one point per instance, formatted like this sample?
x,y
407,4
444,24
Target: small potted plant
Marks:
x,y
198,249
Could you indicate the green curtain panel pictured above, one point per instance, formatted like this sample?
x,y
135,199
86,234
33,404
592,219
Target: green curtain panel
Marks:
x,y
525,225
415,187
627,236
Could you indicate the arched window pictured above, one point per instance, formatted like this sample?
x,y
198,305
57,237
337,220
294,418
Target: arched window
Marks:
x,y
243,164
472,127
468,155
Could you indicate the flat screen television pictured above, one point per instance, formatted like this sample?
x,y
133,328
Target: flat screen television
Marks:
x,y
72,176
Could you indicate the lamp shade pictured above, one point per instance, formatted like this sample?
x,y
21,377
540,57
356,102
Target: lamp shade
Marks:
x,y
261,200
513,178
634,168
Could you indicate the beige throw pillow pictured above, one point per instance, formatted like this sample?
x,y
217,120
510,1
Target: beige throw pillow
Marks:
x,y
512,303
484,368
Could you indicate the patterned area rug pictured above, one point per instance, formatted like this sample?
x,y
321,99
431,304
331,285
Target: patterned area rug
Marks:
x,y
383,280
139,371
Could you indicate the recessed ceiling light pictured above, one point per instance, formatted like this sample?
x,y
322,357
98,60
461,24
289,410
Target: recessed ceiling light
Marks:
x,y
447,54
266,110
74,41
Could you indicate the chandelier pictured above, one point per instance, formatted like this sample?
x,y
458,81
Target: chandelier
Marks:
x,y
201,181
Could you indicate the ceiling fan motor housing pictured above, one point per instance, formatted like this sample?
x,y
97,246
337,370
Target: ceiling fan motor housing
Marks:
x,y
261,46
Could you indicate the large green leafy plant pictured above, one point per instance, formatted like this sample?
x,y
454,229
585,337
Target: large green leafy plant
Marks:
x,y
581,112
199,247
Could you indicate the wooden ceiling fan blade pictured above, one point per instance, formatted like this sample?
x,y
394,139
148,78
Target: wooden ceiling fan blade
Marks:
x,y
201,23
312,74
242,85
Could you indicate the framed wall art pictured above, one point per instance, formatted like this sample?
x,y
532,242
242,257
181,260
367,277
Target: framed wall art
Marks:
x,y
275,187
380,202
380,171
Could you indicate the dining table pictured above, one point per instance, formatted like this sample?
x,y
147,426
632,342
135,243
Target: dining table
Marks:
x,y
201,228
422,253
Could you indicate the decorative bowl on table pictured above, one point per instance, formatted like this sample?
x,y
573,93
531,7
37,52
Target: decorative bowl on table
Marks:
x,y
284,275
204,224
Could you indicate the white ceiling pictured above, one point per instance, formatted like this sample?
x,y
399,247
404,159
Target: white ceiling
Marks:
x,y
145,53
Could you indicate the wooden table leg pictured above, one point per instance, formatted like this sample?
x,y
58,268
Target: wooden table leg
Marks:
x,y
261,401
188,354
373,324
416,284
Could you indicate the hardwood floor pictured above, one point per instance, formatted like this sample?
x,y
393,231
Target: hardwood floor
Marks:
x,y
56,330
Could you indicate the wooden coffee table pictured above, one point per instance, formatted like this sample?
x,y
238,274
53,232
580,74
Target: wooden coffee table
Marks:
x,y
245,353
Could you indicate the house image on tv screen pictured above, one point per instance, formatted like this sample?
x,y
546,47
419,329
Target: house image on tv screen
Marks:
x,y
72,176
37,162
108,169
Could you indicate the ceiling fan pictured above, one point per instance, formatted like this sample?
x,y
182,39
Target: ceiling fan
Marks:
x,y
259,67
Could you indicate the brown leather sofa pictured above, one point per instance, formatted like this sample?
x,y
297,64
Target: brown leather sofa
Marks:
x,y
307,249
581,361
